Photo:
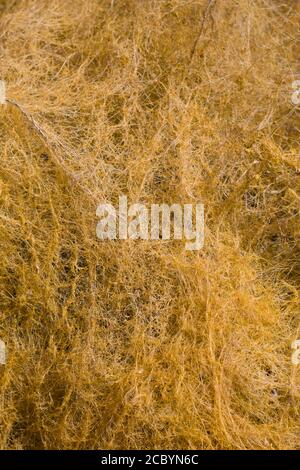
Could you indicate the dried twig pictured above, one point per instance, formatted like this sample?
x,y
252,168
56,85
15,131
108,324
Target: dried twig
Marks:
x,y
52,143
207,11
